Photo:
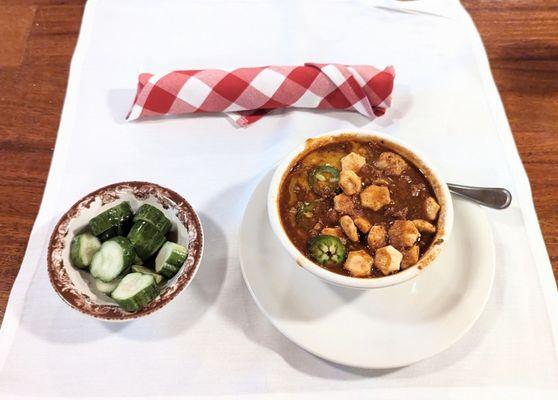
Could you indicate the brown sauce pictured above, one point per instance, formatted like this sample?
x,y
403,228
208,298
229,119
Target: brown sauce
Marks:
x,y
408,192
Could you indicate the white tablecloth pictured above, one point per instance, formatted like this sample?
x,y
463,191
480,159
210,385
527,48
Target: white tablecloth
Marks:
x,y
212,340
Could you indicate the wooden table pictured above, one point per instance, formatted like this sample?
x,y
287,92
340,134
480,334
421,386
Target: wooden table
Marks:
x,y
38,39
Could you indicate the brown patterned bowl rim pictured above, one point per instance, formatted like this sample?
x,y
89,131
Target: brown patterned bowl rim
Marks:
x,y
59,277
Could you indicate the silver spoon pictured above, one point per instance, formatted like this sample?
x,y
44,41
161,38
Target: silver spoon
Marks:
x,y
498,198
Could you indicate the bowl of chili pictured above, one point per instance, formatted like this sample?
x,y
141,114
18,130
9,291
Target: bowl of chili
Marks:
x,y
360,209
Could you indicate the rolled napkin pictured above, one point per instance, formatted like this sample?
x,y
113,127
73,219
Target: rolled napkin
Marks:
x,y
247,94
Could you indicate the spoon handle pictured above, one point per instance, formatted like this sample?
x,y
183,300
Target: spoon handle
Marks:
x,y
498,198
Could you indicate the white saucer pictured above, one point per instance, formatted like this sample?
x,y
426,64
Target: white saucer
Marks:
x,y
376,328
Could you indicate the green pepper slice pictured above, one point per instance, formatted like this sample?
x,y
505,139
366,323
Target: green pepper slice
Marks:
x,y
324,180
305,216
327,250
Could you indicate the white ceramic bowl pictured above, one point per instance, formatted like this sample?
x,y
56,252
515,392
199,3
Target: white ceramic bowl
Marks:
x,y
75,286
445,219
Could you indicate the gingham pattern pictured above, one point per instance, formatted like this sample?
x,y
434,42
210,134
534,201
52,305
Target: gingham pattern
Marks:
x,y
247,94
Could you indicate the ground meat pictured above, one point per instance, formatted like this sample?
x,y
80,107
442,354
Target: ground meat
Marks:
x,y
401,214
394,212
331,217
369,174
417,188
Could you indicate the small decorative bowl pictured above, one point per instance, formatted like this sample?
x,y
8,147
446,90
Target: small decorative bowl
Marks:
x,y
75,286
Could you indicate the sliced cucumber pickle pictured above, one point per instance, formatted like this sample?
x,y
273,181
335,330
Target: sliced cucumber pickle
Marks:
x,y
106,235
146,238
137,259
82,249
114,256
111,222
327,250
170,259
144,270
117,230
155,216
135,291
106,287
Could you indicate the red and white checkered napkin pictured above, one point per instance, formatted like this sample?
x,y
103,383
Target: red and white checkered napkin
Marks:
x,y
247,94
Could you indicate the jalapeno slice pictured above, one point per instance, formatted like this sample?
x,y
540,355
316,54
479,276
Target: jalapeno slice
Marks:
x,y
305,215
324,180
327,250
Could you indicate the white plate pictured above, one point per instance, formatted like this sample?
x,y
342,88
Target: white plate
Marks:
x,y
377,328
